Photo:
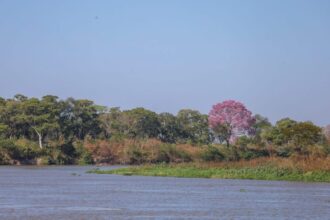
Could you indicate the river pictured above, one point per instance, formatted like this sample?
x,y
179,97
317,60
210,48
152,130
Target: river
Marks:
x,y
67,192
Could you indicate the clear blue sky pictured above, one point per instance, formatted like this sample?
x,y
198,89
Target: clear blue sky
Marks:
x,y
274,56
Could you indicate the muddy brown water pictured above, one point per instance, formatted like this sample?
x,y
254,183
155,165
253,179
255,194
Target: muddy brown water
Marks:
x,y
67,192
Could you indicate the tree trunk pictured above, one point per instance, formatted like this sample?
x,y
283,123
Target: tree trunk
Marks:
x,y
40,141
39,136
227,143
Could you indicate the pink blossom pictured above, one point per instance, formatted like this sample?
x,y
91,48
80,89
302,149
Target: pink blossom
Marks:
x,y
234,116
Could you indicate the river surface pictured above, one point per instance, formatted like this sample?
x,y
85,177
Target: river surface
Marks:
x,y
67,192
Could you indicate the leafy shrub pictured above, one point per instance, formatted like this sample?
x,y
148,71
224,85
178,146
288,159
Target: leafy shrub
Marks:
x,y
212,154
137,156
21,150
28,150
283,151
65,154
86,159
4,158
242,142
320,151
61,154
83,155
230,154
251,153
169,153
9,148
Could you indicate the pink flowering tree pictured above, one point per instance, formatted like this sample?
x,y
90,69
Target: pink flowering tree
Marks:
x,y
229,120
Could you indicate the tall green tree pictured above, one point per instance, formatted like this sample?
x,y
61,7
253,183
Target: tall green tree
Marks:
x,y
297,134
194,126
114,123
79,118
282,132
41,116
142,123
261,125
306,134
169,128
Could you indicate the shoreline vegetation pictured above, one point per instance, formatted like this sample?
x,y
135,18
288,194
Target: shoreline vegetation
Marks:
x,y
274,169
224,143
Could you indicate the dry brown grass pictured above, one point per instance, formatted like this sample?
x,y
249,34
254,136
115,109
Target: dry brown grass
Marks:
x,y
301,163
120,152
193,151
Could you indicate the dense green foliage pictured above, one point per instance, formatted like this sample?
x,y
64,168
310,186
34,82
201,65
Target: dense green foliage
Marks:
x,y
76,131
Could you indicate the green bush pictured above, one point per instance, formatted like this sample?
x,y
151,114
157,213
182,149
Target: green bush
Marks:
x,y
62,154
28,150
212,154
136,155
169,153
283,151
18,150
230,154
243,142
85,158
82,154
9,148
4,158
251,153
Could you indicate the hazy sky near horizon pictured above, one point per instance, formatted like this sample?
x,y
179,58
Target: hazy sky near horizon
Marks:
x,y
274,56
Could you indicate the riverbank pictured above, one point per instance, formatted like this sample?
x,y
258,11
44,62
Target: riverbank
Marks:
x,y
270,169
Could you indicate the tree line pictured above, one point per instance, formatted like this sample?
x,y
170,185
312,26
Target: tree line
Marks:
x,y
50,121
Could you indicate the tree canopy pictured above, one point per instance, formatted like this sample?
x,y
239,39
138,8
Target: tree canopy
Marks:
x,y
229,120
